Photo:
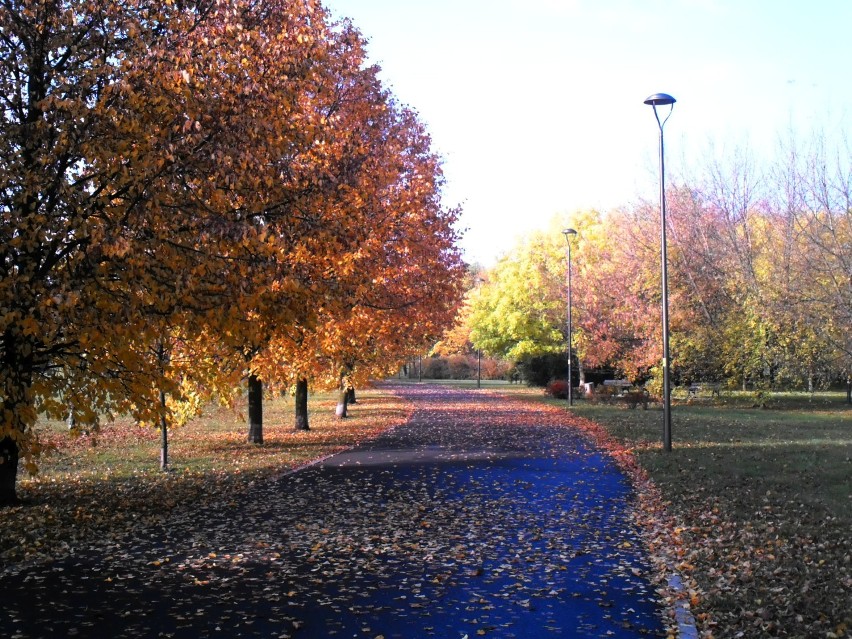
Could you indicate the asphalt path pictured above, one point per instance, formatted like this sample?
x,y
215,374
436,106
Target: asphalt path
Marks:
x,y
478,517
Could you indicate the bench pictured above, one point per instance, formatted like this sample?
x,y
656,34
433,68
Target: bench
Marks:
x,y
698,387
629,394
621,385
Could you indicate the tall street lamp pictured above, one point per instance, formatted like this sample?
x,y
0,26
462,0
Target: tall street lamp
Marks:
x,y
569,233
479,282
664,99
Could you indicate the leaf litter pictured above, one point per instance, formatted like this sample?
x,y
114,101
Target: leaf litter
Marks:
x,y
481,516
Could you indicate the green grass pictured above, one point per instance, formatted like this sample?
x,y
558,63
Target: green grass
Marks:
x,y
802,456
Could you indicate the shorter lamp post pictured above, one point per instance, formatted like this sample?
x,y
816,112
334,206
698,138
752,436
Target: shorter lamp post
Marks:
x,y
479,368
569,233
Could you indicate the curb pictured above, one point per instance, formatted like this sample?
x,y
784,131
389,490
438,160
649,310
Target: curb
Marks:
x,y
683,615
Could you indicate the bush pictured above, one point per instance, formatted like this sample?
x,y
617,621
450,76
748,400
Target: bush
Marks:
x,y
558,388
655,385
461,367
540,369
635,397
436,368
761,398
496,369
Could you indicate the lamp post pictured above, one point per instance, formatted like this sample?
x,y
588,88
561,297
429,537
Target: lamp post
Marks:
x,y
664,99
569,233
479,368
479,282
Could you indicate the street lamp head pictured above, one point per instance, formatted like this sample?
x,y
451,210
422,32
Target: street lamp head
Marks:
x,y
568,233
660,99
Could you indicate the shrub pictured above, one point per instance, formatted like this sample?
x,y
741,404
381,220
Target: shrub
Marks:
x,y
436,368
461,367
540,369
761,398
558,388
496,368
636,397
655,385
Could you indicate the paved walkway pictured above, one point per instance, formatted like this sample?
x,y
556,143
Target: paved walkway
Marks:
x,y
476,518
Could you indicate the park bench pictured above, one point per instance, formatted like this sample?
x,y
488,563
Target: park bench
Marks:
x,y
620,385
627,393
698,387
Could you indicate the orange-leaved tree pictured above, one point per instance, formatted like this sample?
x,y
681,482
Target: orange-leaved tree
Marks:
x,y
398,278
159,170
77,235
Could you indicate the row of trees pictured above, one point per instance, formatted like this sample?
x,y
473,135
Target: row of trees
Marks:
x,y
760,279
199,192
458,366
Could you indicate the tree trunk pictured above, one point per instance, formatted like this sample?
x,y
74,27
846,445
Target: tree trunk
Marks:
x,y
255,409
849,389
342,399
15,401
302,405
9,454
164,444
164,435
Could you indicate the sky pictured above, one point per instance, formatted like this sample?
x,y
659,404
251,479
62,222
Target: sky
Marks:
x,y
536,106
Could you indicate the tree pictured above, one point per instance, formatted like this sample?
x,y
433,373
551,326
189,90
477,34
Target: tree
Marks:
x,y
76,234
520,310
815,200
759,266
161,168
456,339
396,279
617,291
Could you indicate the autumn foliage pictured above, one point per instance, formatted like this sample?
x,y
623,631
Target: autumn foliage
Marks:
x,y
759,267
195,191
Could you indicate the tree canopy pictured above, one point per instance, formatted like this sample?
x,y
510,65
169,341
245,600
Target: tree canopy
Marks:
x,y
760,267
185,185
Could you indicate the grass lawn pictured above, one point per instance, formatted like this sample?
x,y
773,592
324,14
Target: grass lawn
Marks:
x,y
764,502
101,486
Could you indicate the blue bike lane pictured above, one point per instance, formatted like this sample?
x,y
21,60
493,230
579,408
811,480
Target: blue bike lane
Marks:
x,y
478,517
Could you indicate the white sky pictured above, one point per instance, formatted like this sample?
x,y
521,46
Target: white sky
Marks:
x,y
536,105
